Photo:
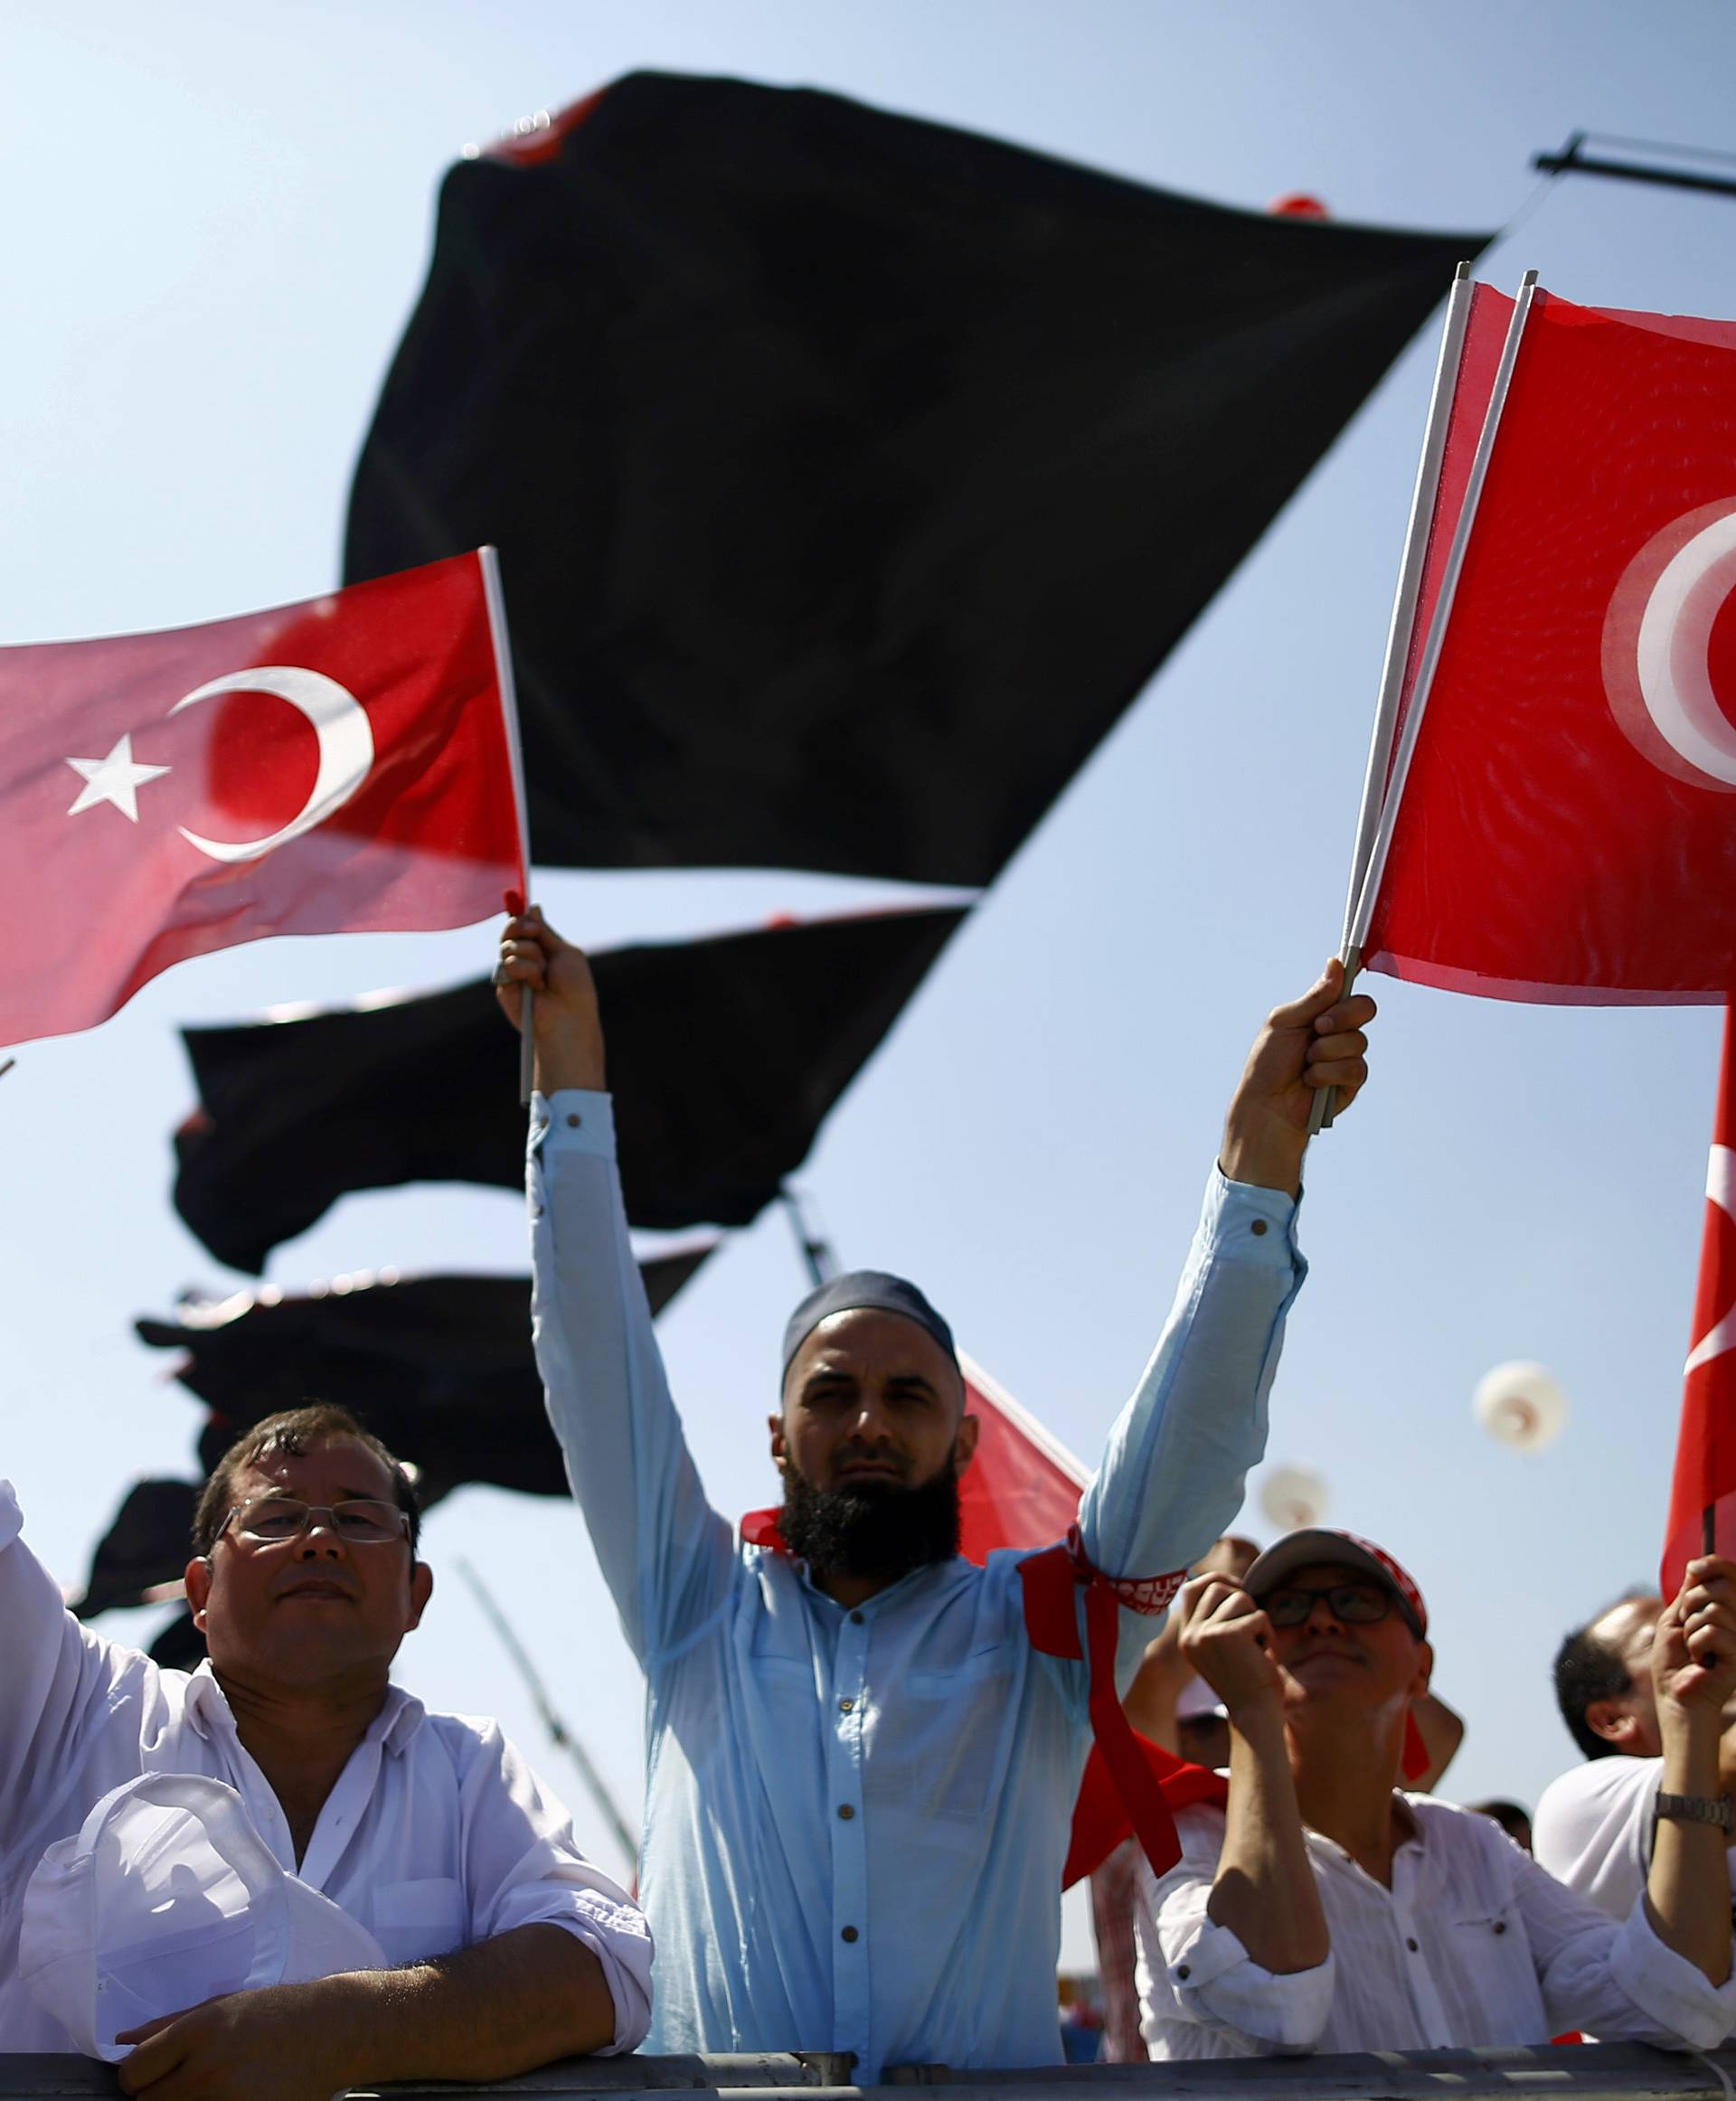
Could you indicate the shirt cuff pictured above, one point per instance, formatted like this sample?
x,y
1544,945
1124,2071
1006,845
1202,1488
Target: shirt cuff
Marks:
x,y
1221,1986
1673,1992
1249,1223
574,1119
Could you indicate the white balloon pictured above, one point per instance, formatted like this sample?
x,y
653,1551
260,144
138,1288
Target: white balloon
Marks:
x,y
1521,1404
1293,1497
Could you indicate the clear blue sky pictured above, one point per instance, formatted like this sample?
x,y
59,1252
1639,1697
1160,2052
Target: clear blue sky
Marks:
x,y
218,220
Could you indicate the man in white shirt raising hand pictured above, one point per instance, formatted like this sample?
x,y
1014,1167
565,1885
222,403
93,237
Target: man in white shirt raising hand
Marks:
x,y
499,1946
1316,1907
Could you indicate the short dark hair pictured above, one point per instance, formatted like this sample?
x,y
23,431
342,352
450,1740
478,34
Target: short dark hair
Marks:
x,y
1514,1818
296,1430
1588,1669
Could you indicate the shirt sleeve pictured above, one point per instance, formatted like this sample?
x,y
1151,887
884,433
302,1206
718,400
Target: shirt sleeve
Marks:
x,y
61,1682
1616,1982
522,1867
1197,1973
1178,1454
666,1554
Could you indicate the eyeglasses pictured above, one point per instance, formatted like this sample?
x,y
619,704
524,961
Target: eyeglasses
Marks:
x,y
360,1521
1356,1604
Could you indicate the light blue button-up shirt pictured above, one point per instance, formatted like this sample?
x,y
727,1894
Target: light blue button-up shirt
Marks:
x,y
855,1820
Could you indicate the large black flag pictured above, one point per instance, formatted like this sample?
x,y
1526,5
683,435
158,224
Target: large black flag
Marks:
x,y
851,474
439,1368
725,1056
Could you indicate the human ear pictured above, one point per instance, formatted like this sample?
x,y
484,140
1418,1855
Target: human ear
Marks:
x,y
421,1589
775,1425
197,1579
963,1449
1425,1670
1612,1719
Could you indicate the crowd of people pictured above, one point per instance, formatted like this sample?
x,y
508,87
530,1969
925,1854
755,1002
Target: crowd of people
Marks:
x,y
279,1873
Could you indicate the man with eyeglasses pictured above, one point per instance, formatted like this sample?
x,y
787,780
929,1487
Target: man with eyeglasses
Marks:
x,y
1316,1907
508,1948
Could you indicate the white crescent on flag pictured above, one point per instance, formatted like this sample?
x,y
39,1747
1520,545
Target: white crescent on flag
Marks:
x,y
345,748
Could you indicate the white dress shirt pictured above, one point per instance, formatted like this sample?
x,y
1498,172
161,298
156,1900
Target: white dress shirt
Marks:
x,y
1593,1830
437,1835
1473,1946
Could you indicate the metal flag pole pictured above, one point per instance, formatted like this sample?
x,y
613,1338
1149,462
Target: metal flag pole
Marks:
x,y
1403,624
558,1733
1381,846
815,1248
495,600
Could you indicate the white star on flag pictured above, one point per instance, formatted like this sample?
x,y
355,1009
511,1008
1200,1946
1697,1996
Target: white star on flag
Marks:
x,y
115,779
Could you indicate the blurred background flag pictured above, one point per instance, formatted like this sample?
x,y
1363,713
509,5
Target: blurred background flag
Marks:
x,y
341,766
725,1056
439,1368
1706,1452
852,474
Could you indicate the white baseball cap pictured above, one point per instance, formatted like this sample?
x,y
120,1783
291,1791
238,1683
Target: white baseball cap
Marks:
x,y
167,1896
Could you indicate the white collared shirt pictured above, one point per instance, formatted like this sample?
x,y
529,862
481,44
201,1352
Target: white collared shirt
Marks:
x,y
437,1836
1474,1945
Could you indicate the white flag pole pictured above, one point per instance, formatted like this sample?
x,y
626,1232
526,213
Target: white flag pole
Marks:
x,y
1402,627
1363,911
496,605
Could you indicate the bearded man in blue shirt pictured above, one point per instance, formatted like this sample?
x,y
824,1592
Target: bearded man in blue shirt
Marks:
x,y
861,1769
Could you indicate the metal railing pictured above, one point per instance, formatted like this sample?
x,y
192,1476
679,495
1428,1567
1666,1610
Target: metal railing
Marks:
x,y
1585,2072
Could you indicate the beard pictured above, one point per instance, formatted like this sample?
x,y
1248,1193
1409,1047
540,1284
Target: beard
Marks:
x,y
879,1532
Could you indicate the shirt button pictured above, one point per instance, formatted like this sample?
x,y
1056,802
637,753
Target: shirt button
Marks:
x,y
849,1933
1259,1225
1500,1926
845,1706
574,1120
845,1811
856,1619
1183,1971
1411,1945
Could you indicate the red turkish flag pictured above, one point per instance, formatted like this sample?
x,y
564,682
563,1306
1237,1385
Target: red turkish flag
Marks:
x,y
341,765
1568,831
1705,1451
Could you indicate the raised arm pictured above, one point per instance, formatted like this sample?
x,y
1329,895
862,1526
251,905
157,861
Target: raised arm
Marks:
x,y
1177,1456
1662,1974
1694,1674
664,1552
1264,1891
63,1686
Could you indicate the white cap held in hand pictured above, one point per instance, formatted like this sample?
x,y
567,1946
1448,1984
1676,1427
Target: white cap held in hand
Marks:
x,y
168,1896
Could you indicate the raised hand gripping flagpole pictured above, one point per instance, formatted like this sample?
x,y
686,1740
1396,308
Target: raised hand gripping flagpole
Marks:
x,y
1383,782
496,604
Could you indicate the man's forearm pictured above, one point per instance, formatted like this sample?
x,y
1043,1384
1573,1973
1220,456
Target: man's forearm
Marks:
x,y
506,2006
509,2004
1265,1891
1687,1891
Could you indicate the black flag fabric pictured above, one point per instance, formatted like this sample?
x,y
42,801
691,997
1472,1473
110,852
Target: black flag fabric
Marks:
x,y
145,1549
439,1368
851,474
725,1056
